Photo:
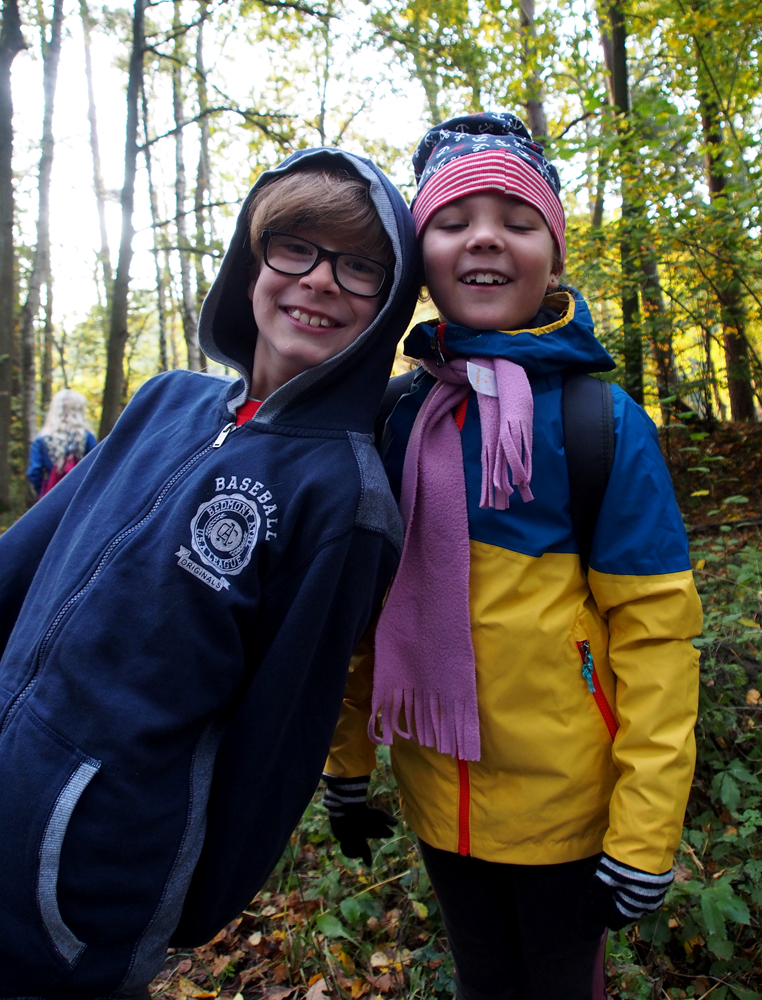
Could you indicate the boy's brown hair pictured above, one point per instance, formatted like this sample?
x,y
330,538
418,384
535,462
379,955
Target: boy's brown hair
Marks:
x,y
318,201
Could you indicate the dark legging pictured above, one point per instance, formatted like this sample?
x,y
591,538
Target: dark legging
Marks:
x,y
514,929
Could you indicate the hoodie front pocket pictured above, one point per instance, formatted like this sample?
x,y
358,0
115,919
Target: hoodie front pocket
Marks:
x,y
42,779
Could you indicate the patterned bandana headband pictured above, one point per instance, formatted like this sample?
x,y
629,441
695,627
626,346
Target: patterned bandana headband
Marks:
x,y
486,152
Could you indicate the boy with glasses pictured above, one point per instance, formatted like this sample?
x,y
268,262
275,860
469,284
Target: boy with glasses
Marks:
x,y
178,614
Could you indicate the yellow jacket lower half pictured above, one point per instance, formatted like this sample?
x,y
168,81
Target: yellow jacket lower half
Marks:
x,y
551,786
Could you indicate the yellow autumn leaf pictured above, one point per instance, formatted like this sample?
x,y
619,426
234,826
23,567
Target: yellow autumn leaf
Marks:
x,y
700,493
701,563
191,989
420,909
753,697
378,960
313,979
748,622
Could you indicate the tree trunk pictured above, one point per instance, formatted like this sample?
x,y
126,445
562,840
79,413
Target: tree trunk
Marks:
x,y
46,380
160,304
202,171
658,328
11,43
538,123
190,320
118,333
633,347
727,284
51,51
104,255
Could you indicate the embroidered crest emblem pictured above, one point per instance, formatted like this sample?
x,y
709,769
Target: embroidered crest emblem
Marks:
x,y
224,532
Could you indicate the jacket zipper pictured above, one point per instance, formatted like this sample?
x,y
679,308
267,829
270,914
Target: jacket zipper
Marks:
x,y
464,804
590,675
16,703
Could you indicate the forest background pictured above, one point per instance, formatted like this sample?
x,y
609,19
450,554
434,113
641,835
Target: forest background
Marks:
x,y
128,137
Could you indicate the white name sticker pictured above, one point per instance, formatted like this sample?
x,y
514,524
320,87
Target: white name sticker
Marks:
x,y
482,379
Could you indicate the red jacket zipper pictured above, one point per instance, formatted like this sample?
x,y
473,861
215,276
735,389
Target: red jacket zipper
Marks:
x,y
464,805
590,675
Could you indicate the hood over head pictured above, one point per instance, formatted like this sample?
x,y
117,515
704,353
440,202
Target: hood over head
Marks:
x,y
343,392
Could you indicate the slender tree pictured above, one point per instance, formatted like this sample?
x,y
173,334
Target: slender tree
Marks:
x,y
11,43
104,254
118,329
538,123
40,273
157,249
633,346
202,192
46,353
724,229
190,319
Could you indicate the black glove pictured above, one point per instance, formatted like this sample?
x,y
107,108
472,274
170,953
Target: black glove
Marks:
x,y
619,894
353,821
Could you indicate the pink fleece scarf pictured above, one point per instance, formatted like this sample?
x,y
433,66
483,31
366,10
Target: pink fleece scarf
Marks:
x,y
425,665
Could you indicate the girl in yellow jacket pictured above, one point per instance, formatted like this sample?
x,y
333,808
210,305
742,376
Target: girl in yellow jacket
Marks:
x,y
540,717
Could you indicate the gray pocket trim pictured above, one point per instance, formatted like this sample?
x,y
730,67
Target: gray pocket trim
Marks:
x,y
66,943
151,949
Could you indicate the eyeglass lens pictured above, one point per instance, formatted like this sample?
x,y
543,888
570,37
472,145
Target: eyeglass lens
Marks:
x,y
359,275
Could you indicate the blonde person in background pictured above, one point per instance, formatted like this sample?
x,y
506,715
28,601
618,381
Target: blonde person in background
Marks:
x,y
64,439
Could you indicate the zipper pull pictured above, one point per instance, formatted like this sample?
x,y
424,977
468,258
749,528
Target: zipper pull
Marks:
x,y
587,664
438,344
220,440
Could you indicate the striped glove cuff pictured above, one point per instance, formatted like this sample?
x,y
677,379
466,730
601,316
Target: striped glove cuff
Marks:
x,y
634,892
341,793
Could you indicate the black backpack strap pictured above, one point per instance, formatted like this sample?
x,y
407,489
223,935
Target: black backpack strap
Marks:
x,y
588,416
395,388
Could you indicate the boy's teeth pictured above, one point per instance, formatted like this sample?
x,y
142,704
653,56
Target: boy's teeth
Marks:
x,y
309,320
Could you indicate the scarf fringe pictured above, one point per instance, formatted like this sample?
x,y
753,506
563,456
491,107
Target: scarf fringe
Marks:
x,y
506,435
433,718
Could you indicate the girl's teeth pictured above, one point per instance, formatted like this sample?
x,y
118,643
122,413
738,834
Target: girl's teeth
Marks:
x,y
484,279
315,321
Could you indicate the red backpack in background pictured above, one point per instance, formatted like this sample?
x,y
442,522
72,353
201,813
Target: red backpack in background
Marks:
x,y
56,476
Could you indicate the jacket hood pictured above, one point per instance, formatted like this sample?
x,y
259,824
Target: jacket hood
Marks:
x,y
560,338
342,393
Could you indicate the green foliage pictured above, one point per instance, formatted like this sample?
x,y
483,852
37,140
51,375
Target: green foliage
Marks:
x,y
710,924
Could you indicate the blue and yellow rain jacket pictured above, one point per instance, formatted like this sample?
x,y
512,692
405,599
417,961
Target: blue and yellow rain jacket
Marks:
x,y
587,684
176,622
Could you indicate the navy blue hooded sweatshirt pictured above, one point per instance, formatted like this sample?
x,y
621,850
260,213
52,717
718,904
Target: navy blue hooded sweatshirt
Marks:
x,y
177,617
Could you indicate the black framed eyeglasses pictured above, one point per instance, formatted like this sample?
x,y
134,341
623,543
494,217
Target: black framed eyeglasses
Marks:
x,y
354,273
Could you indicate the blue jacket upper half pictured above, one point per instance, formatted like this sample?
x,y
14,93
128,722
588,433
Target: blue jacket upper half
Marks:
x,y
639,529
177,618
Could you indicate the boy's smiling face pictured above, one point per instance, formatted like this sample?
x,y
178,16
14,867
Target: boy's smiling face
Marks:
x,y
302,320
489,258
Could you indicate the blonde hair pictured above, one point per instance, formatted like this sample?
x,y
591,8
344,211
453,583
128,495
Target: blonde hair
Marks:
x,y
65,428
320,201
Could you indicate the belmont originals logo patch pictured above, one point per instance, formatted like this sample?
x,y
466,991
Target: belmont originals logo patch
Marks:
x,y
224,532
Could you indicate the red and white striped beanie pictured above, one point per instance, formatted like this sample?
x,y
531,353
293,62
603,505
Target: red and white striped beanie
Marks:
x,y
486,152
